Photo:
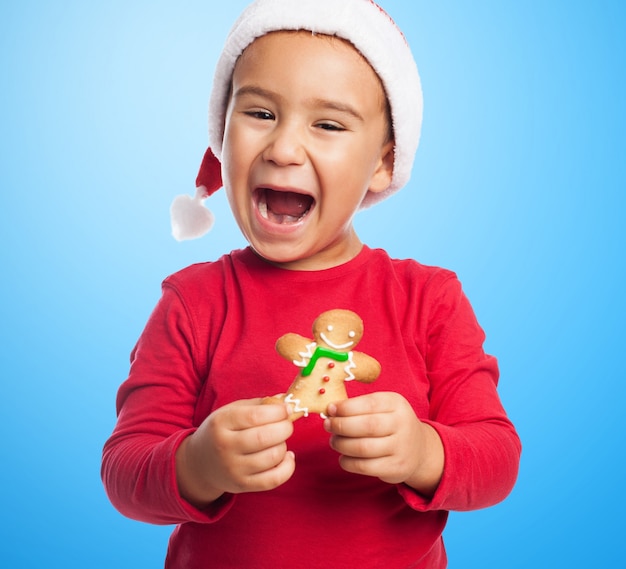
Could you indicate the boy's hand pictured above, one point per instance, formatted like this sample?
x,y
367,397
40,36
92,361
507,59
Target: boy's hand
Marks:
x,y
240,447
380,435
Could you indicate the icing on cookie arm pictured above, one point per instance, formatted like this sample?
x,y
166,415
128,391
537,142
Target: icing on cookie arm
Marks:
x,y
349,367
366,368
290,346
305,356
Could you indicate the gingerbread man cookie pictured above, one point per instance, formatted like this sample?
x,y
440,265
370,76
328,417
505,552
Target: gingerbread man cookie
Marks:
x,y
328,361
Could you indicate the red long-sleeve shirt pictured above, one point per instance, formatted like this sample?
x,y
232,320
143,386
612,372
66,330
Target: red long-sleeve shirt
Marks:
x,y
210,341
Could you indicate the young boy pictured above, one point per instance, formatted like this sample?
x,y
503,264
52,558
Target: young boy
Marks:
x,y
315,113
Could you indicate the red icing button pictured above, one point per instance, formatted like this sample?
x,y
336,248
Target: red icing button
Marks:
x,y
326,378
331,365
322,391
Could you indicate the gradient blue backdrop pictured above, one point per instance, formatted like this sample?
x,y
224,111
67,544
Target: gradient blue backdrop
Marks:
x,y
518,186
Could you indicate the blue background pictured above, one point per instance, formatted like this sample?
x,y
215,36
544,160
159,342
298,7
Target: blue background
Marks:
x,y
518,186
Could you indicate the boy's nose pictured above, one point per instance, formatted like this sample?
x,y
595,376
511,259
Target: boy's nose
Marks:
x,y
285,147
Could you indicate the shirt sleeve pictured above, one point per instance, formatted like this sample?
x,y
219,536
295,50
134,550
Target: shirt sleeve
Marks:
x,y
481,447
155,407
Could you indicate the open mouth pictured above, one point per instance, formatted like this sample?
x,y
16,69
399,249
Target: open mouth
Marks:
x,y
283,207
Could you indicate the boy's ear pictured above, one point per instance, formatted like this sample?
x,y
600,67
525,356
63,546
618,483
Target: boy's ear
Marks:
x,y
381,178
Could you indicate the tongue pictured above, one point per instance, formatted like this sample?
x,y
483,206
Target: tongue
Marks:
x,y
289,204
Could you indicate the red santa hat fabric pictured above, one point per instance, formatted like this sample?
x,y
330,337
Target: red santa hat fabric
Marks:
x,y
361,22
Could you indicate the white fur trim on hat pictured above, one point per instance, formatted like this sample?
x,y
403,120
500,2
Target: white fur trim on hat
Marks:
x,y
373,33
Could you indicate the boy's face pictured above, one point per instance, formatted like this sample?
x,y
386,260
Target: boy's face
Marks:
x,y
306,136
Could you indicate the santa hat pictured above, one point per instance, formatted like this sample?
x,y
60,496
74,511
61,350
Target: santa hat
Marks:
x,y
372,32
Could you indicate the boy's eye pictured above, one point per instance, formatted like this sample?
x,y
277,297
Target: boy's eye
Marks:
x,y
261,115
331,126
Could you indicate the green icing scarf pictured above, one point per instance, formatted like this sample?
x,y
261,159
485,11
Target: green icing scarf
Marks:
x,y
324,353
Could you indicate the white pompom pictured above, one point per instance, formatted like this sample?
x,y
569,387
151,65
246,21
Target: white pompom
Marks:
x,y
188,216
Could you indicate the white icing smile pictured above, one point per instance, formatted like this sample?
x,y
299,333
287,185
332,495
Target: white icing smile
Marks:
x,y
335,346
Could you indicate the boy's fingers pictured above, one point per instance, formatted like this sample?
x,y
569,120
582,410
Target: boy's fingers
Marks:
x,y
265,437
378,402
249,413
365,448
283,471
272,477
372,425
